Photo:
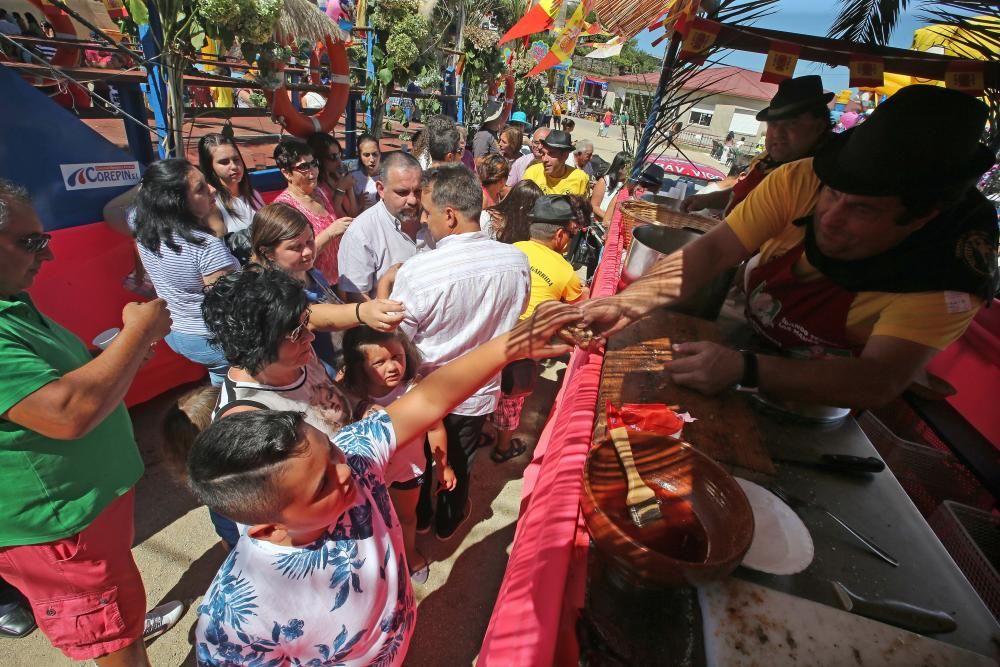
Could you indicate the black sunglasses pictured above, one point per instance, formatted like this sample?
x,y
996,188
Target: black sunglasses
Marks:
x,y
306,167
35,242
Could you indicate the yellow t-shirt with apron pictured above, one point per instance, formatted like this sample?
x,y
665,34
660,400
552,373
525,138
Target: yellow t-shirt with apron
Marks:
x,y
552,277
574,182
764,220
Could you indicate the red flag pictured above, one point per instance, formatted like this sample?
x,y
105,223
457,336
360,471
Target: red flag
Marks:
x,y
866,72
966,77
780,64
534,20
698,39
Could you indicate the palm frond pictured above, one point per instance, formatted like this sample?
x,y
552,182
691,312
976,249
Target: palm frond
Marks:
x,y
971,26
867,21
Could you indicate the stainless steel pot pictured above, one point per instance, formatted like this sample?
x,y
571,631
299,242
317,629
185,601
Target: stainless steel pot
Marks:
x,y
652,242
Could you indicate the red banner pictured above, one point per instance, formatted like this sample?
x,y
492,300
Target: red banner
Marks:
x,y
866,72
780,64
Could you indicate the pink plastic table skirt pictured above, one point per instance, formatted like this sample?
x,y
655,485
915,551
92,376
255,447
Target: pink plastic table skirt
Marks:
x,y
535,612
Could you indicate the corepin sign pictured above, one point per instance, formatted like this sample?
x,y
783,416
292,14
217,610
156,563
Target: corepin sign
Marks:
x,y
99,175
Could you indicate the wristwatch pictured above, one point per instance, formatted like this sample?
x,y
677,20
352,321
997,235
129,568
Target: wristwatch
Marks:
x,y
748,381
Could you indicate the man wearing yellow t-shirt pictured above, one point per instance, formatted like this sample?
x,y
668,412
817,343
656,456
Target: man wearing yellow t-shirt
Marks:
x,y
552,279
551,173
873,256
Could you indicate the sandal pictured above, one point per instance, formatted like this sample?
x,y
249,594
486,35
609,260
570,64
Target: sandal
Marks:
x,y
516,449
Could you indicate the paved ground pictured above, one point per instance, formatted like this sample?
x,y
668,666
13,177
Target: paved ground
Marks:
x,y
178,552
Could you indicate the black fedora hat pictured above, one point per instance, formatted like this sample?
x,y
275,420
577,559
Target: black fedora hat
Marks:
x,y
922,139
552,209
492,111
559,140
795,96
651,176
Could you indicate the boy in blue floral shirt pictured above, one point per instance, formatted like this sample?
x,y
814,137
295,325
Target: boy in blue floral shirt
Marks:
x,y
319,576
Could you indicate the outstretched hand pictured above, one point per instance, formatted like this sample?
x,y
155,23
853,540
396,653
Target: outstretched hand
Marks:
x,y
605,317
535,337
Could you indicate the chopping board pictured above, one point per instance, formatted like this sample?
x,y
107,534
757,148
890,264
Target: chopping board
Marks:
x,y
726,428
748,625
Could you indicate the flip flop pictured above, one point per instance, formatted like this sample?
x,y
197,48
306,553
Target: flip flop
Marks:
x,y
516,449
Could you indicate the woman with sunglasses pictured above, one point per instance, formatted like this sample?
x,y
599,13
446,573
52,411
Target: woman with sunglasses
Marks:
x,y
235,199
282,238
493,170
181,255
334,180
301,170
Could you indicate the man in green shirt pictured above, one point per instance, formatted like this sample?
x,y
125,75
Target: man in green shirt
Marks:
x,y
68,460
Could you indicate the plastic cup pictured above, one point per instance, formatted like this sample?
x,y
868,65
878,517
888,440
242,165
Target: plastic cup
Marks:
x,y
103,339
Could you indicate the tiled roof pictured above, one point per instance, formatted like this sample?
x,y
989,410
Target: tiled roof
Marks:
x,y
734,81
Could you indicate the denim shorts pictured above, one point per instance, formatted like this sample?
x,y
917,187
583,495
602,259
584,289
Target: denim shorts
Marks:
x,y
197,349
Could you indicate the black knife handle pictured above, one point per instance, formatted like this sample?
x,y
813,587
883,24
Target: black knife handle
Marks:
x,y
849,463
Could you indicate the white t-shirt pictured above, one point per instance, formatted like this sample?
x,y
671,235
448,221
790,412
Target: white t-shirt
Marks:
x,y
345,599
409,461
364,188
242,214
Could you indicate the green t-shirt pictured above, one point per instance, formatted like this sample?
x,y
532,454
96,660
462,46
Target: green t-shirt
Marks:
x,y
51,489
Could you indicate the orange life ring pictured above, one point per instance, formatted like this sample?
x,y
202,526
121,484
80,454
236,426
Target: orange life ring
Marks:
x,y
298,124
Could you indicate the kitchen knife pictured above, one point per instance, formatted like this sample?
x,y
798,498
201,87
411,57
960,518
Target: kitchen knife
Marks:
x,y
797,503
900,614
838,462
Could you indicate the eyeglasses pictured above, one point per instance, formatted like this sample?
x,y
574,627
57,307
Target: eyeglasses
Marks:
x,y
306,167
297,332
35,243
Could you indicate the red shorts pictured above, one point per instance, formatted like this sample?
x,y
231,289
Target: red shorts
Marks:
x,y
85,590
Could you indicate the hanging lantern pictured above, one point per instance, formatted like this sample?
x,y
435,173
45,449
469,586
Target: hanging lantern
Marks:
x,y
698,40
966,77
780,64
866,72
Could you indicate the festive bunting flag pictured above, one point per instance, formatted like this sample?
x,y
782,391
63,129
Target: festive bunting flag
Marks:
x,y
538,18
564,45
608,50
866,72
686,16
780,64
966,77
699,36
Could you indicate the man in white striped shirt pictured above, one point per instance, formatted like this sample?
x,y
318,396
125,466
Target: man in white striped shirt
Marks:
x,y
466,291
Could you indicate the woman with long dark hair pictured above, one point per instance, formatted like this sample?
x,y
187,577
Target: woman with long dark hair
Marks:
x,y
608,184
222,164
334,180
181,255
295,159
509,219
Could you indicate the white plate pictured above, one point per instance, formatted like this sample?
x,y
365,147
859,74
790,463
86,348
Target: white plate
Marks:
x,y
781,542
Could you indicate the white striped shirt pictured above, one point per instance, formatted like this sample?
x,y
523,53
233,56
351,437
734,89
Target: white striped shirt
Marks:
x,y
460,295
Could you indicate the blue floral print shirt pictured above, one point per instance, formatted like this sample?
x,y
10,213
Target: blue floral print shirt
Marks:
x,y
343,600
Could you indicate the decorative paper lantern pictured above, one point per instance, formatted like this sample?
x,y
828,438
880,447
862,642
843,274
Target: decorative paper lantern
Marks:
x,y
780,64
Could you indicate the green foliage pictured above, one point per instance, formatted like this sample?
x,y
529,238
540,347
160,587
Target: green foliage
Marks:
x,y
530,93
248,20
401,36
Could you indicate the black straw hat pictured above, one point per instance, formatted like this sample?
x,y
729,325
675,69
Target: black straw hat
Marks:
x,y
492,111
651,176
922,139
559,140
552,209
795,96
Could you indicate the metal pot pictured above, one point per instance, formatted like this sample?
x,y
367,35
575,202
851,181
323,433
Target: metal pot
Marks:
x,y
652,242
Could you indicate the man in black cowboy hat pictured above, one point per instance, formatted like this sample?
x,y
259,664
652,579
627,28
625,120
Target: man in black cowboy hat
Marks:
x,y
798,121
484,142
551,173
873,256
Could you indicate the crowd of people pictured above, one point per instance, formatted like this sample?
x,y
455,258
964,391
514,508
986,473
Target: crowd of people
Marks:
x,y
366,333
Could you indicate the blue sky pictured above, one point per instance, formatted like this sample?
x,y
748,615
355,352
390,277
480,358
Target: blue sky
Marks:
x,y
813,17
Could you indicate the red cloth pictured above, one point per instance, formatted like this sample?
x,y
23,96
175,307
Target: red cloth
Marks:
x,y
535,612
972,365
